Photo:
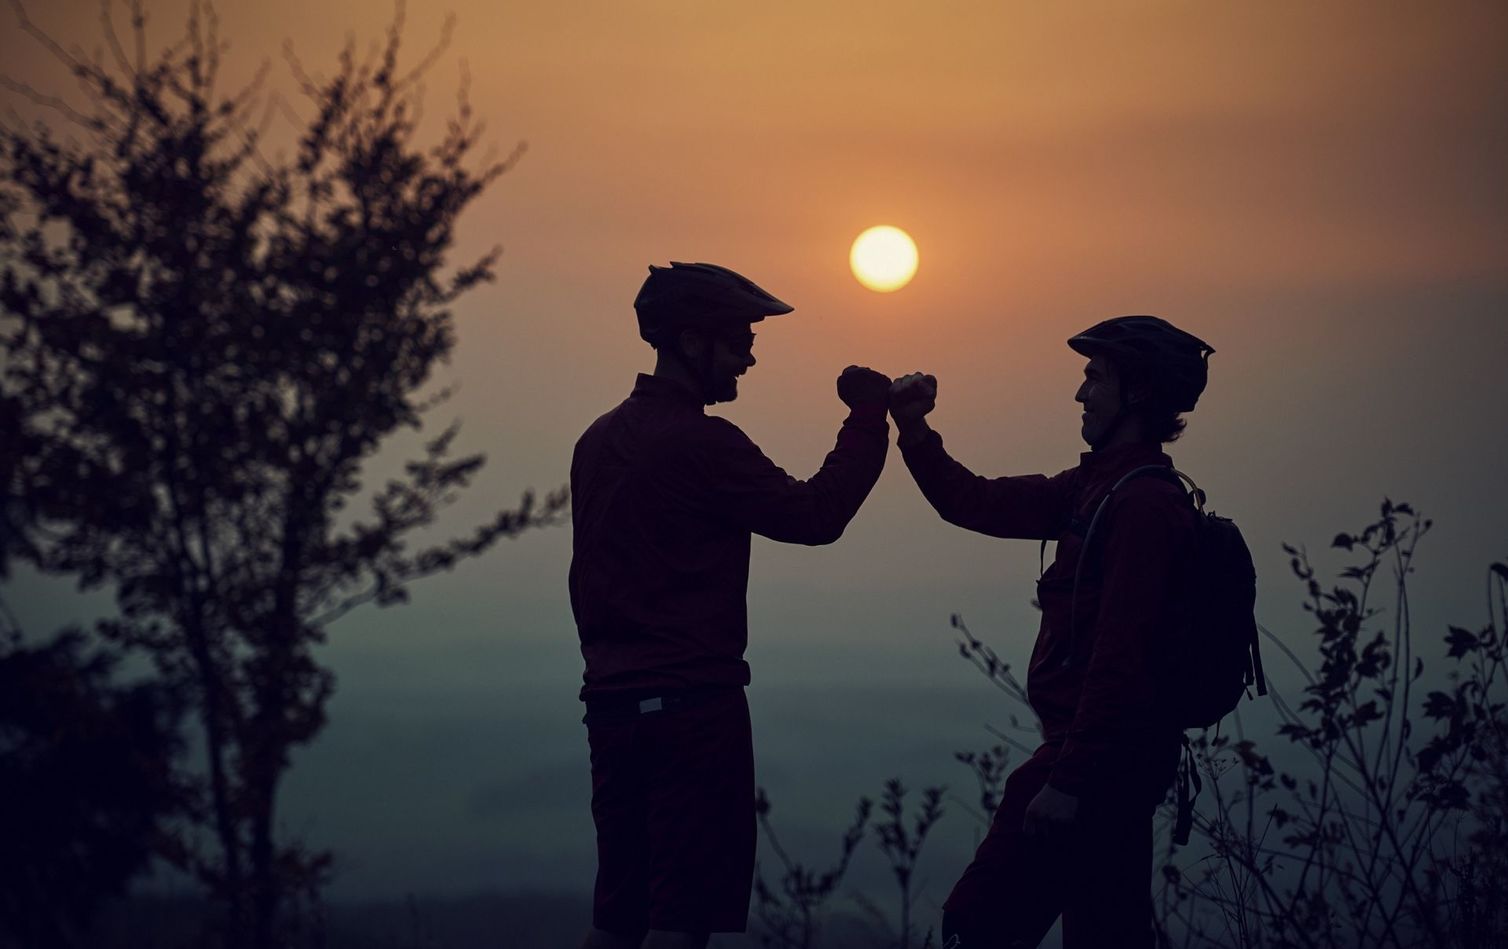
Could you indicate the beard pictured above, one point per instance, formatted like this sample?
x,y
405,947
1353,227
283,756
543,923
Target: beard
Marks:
x,y
1088,431
722,389
1097,429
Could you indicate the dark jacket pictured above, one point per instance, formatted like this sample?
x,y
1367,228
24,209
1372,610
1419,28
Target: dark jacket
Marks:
x,y
1103,709
665,498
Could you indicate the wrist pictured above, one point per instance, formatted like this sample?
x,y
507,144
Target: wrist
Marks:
x,y
912,431
861,402
868,412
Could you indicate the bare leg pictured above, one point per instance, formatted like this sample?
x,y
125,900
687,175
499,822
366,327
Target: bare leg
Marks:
x,y
660,939
602,939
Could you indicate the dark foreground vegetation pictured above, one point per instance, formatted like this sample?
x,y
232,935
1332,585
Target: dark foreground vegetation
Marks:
x,y
1385,826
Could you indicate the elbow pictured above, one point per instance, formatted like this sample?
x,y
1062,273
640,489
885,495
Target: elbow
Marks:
x,y
806,531
957,515
953,517
948,507
824,534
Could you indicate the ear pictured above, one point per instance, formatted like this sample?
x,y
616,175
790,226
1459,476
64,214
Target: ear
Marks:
x,y
692,343
1138,395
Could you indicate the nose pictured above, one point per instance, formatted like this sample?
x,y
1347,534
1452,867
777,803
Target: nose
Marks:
x,y
1082,396
749,360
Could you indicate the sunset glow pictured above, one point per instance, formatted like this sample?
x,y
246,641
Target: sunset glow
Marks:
x,y
1314,189
883,258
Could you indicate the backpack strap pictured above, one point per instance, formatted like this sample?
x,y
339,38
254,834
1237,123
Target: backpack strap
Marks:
x,y
1163,471
1259,679
1188,774
1075,526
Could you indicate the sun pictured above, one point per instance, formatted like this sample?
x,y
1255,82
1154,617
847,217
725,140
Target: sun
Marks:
x,y
883,258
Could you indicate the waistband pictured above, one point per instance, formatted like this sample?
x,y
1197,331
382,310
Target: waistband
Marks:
x,y
631,704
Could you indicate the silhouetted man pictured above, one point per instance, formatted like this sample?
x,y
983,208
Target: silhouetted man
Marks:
x,y
665,498
1073,832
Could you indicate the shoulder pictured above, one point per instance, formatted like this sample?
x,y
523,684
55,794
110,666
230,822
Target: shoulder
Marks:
x,y
1068,477
1152,502
712,431
706,438
715,427
596,431
1154,488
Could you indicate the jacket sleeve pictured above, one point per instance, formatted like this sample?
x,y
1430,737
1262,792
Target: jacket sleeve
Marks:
x,y
1142,559
1035,507
750,490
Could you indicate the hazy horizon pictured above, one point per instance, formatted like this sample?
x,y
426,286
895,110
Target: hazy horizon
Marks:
x,y
1317,190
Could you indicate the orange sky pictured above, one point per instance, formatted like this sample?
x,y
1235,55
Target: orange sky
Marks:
x,y
1316,189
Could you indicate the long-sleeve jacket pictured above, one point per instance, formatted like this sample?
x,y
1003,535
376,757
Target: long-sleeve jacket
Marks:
x,y
664,500
1102,708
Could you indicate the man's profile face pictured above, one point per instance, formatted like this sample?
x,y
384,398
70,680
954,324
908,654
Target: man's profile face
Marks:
x,y
732,355
1100,395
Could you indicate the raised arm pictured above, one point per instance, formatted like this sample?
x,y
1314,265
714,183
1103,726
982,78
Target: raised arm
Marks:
x,y
752,491
1024,506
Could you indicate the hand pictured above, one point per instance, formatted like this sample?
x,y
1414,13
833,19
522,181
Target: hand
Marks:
x,y
860,385
912,397
1050,814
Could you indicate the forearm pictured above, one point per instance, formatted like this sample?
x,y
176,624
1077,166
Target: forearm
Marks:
x,y
911,431
1029,506
817,510
848,473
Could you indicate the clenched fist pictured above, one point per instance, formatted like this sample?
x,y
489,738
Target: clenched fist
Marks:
x,y
912,397
860,385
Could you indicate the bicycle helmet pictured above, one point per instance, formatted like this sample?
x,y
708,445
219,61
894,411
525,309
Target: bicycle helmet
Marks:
x,y
1174,363
684,296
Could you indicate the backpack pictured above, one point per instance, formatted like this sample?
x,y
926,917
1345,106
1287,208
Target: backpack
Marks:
x,y
1217,656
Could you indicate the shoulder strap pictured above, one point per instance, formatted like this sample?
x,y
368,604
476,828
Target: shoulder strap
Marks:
x,y
1167,473
1162,471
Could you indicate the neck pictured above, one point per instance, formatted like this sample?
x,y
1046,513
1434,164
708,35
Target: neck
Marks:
x,y
1130,430
675,370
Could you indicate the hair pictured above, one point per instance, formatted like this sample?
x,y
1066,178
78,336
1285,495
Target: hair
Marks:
x,y
1163,422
